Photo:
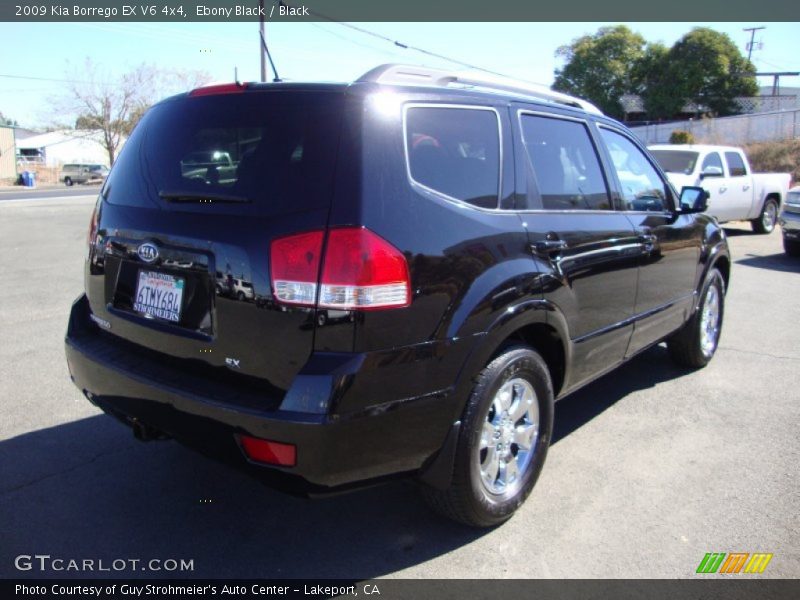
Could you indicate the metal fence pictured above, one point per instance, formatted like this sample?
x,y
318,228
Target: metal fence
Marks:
x,y
735,131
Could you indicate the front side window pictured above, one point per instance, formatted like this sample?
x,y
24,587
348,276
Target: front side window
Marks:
x,y
563,169
456,152
736,166
641,186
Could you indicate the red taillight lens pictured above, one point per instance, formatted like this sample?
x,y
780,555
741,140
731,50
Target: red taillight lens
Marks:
x,y
269,452
225,88
295,267
90,237
360,271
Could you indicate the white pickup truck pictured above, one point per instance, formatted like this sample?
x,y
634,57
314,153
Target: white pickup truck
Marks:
x,y
736,193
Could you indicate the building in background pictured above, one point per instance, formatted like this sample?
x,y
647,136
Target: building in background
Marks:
x,y
56,148
8,152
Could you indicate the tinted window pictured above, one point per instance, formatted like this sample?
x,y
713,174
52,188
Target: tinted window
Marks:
x,y
712,160
455,151
564,172
275,150
641,186
736,166
676,161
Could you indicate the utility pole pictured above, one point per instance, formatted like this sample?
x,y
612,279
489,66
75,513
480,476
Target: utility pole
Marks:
x,y
752,31
261,41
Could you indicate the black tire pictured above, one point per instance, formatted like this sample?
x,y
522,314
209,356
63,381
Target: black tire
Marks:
x,y
468,499
765,223
240,296
68,181
686,346
791,247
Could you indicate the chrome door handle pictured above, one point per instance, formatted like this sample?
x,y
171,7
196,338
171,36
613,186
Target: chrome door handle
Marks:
x,y
745,187
723,189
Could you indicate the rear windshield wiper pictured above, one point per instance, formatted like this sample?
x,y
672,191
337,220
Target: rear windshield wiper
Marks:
x,y
202,197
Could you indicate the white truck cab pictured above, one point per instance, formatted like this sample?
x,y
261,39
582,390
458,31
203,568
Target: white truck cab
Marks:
x,y
736,193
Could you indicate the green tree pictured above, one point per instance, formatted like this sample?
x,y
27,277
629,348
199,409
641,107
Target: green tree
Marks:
x,y
704,67
599,67
652,79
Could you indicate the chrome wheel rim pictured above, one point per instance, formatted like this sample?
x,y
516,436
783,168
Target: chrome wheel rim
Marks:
x,y
508,438
770,214
709,321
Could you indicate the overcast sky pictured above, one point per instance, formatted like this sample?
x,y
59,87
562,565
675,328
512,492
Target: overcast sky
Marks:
x,y
317,51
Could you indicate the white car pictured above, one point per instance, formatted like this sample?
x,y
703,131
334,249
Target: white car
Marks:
x,y
735,192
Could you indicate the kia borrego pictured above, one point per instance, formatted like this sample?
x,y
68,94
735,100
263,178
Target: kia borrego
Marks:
x,y
419,264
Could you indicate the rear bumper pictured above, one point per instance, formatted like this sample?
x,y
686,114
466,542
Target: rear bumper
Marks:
x,y
333,450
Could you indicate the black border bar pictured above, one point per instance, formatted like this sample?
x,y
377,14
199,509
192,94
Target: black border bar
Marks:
x,y
64,11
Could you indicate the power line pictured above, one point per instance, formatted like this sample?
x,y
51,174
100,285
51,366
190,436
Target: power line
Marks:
x,y
398,43
44,79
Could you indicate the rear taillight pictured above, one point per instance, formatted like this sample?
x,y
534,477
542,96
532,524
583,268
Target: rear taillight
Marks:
x,y
295,267
360,270
90,237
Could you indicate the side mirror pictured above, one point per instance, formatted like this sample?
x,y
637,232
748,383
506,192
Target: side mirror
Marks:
x,y
693,200
711,172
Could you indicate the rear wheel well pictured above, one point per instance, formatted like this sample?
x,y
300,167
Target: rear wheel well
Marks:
x,y
545,340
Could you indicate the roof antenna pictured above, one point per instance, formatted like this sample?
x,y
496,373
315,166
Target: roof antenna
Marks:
x,y
236,75
277,78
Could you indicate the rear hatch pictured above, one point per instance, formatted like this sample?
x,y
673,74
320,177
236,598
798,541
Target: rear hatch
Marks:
x,y
180,259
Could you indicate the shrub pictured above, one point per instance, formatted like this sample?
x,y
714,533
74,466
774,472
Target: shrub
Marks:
x,y
680,136
776,157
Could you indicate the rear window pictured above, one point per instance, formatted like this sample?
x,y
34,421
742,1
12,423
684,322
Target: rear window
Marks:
x,y
676,161
456,152
736,166
254,152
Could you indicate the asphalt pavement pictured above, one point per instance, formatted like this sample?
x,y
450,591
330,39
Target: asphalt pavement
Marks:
x,y
652,466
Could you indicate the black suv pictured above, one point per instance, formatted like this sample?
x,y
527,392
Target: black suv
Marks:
x,y
431,261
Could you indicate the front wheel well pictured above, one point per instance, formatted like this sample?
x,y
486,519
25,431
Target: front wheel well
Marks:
x,y
546,341
724,267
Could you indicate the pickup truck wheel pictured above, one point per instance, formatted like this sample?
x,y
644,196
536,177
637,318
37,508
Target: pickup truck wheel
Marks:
x,y
696,342
68,181
506,430
765,223
791,247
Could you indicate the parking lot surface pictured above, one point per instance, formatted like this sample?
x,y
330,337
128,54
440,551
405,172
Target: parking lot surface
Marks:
x,y
652,466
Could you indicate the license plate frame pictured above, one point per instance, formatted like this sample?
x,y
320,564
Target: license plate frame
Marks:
x,y
159,295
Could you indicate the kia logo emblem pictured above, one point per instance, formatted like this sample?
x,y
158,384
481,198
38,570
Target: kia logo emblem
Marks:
x,y
148,252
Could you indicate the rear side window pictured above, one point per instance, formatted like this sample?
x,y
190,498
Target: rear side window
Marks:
x,y
564,170
712,161
736,166
254,152
456,152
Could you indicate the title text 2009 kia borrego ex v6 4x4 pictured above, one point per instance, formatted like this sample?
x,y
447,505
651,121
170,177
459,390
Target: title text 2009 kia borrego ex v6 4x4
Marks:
x,y
395,277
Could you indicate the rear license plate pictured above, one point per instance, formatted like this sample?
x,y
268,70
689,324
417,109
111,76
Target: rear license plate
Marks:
x,y
159,295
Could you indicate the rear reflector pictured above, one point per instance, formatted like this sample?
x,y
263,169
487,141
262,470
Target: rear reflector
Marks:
x,y
212,90
360,270
268,452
